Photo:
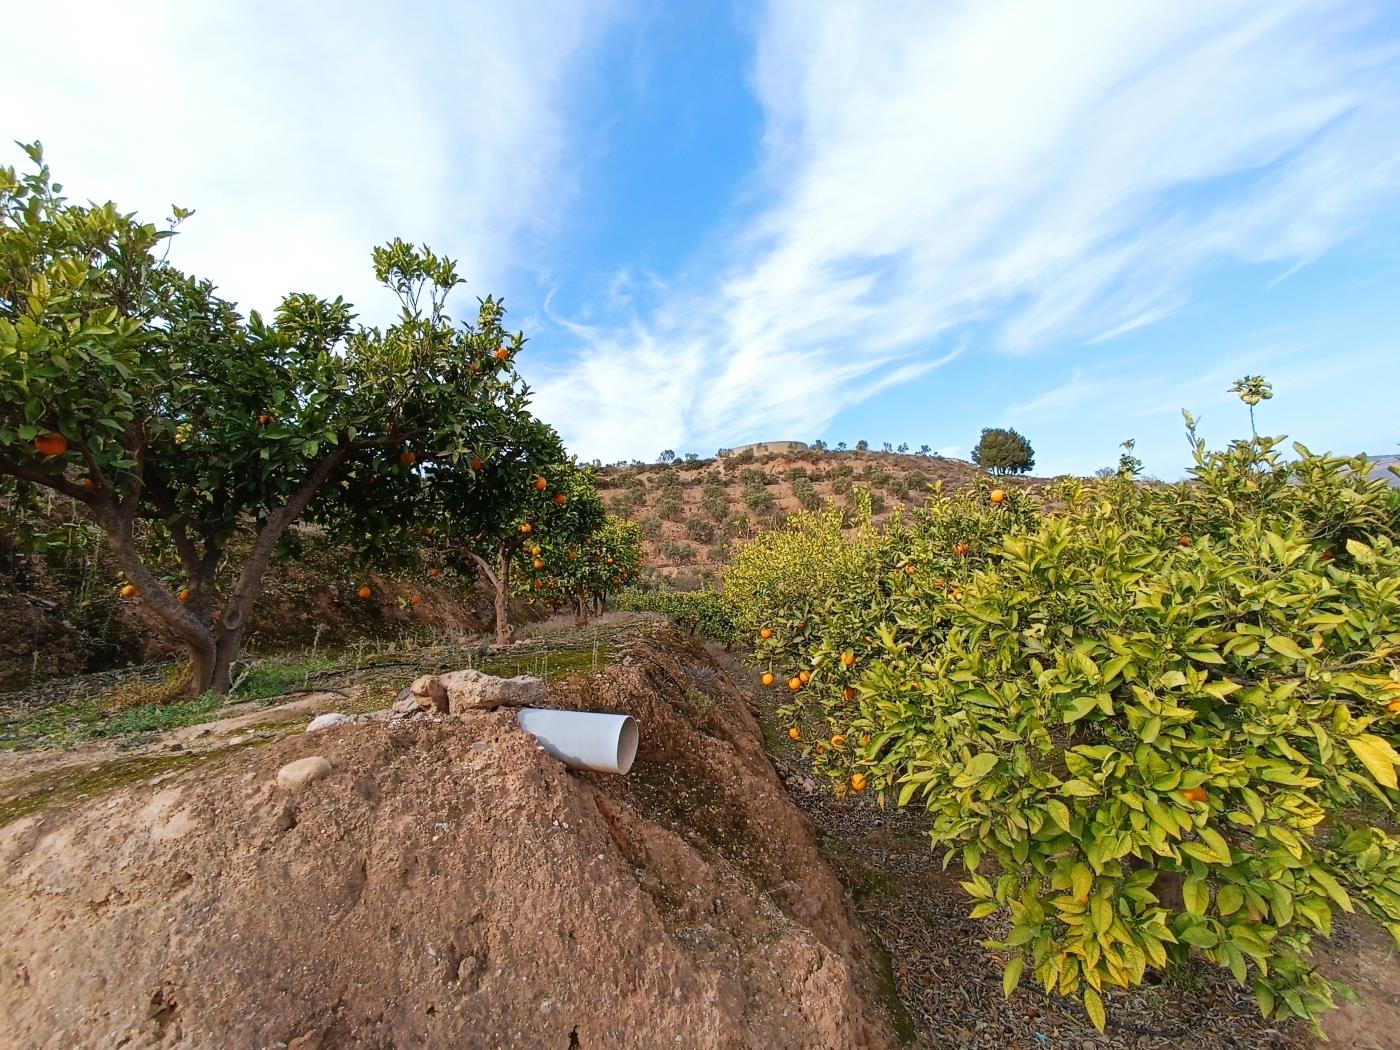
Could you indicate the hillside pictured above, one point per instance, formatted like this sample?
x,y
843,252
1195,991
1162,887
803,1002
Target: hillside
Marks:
x,y
692,512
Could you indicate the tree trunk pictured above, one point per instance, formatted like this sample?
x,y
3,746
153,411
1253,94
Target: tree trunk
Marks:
x,y
580,610
196,636
500,582
226,649
504,632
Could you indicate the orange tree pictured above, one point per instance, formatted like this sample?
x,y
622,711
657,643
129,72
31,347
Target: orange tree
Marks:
x,y
486,514
1149,722
133,389
583,560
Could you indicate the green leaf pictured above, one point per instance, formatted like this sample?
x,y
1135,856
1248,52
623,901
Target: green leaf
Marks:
x,y
1229,899
1078,789
1377,755
1196,894
1059,813
1332,886
1079,707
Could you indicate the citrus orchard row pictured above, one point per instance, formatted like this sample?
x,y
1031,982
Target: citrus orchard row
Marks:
x,y
193,439
1147,720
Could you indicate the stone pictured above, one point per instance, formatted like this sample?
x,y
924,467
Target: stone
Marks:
x,y
407,706
474,691
296,775
430,693
328,721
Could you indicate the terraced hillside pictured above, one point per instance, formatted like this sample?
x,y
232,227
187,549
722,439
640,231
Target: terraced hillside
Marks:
x,y
692,512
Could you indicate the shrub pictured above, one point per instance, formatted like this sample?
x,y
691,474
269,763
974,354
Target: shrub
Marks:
x,y
1154,723
714,499
806,494
677,551
757,498
698,612
699,530
668,507
651,527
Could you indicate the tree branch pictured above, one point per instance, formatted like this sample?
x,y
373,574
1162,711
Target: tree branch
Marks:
x,y
57,482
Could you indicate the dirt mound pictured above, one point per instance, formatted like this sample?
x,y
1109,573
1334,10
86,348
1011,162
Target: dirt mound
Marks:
x,y
447,884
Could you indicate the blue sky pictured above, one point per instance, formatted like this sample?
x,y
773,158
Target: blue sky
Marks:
x,y
720,223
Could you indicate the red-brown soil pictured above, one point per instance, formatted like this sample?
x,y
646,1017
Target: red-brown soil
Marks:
x,y
447,884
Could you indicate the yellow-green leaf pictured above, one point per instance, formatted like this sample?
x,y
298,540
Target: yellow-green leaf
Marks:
x,y
1011,976
1377,756
1285,646
1093,1006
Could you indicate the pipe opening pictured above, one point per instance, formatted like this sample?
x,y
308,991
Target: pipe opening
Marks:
x,y
627,740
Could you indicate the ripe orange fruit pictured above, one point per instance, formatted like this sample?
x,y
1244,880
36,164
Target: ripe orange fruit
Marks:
x,y
538,584
957,594
858,781
766,633
848,658
805,676
1394,706
998,496
560,499
539,563
795,733
794,684
768,678
573,554
264,419
541,484
413,599
1328,555
433,574
51,444
364,592
1183,541
849,693
865,740
502,354
186,594
89,484
525,529
128,591
961,549
610,561
407,459
477,464
1195,794
909,570
838,739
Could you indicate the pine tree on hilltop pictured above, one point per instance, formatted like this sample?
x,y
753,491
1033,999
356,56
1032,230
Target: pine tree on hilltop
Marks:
x,y
1003,451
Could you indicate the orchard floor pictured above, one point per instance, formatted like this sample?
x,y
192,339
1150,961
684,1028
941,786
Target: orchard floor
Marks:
x,y
950,985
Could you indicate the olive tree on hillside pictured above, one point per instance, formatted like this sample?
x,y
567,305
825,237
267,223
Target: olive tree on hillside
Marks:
x,y
133,389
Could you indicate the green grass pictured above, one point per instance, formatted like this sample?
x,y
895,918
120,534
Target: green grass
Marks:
x,y
135,708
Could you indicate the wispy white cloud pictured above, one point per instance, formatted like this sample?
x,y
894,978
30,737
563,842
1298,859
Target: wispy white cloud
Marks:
x,y
304,133
1036,175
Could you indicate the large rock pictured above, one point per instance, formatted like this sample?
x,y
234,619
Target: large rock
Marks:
x,y
296,775
428,694
474,691
328,721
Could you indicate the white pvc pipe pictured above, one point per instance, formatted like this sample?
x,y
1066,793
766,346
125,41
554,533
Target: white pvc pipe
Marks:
x,y
584,739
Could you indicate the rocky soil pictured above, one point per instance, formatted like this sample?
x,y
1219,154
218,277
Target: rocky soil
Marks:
x,y
439,880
